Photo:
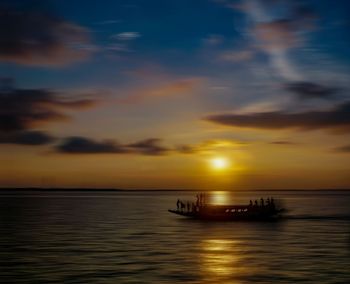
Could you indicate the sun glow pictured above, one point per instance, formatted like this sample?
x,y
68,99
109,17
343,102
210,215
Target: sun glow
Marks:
x,y
219,163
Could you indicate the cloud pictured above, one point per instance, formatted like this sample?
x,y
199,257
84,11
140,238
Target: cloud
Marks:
x,y
282,142
337,118
343,149
275,28
126,36
309,90
177,87
288,30
277,35
275,38
213,40
148,147
117,47
83,145
285,31
209,146
121,42
237,56
23,109
187,149
40,38
33,138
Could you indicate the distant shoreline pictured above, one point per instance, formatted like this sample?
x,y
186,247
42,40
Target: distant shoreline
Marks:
x,y
151,190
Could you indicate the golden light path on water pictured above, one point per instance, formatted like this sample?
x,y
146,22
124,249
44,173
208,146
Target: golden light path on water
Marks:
x,y
219,197
221,261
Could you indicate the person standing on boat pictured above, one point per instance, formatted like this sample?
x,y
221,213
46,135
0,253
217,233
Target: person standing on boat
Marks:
x,y
262,202
183,206
204,198
178,204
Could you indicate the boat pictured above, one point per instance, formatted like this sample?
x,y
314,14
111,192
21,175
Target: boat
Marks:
x,y
211,212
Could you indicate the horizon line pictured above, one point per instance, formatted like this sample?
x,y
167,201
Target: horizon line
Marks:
x,y
162,189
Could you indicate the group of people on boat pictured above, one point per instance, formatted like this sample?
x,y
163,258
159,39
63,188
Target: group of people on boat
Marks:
x,y
192,206
201,200
270,203
182,206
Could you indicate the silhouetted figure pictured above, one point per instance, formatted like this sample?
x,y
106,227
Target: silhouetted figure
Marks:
x,y
188,206
272,204
262,202
268,202
256,203
250,203
178,204
201,199
182,206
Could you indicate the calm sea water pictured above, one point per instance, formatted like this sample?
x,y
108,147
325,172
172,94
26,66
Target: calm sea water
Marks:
x,y
129,237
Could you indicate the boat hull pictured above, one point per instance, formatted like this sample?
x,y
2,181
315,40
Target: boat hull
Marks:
x,y
245,216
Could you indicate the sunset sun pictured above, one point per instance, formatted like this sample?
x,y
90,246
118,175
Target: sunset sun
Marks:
x,y
219,163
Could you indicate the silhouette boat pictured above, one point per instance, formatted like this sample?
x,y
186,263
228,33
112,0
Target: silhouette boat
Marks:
x,y
211,212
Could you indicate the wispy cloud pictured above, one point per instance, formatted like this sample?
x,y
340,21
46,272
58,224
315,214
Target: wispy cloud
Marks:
x,y
121,42
276,36
162,90
213,40
237,56
209,146
126,36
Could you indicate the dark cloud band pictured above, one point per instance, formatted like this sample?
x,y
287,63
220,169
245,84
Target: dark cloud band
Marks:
x,y
337,118
23,109
83,145
30,138
40,38
309,90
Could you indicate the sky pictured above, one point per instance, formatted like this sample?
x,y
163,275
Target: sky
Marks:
x,y
203,94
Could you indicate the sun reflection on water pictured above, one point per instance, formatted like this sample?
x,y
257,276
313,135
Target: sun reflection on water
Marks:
x,y
219,197
220,261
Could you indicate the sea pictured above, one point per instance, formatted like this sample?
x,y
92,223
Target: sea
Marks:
x,y
130,237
